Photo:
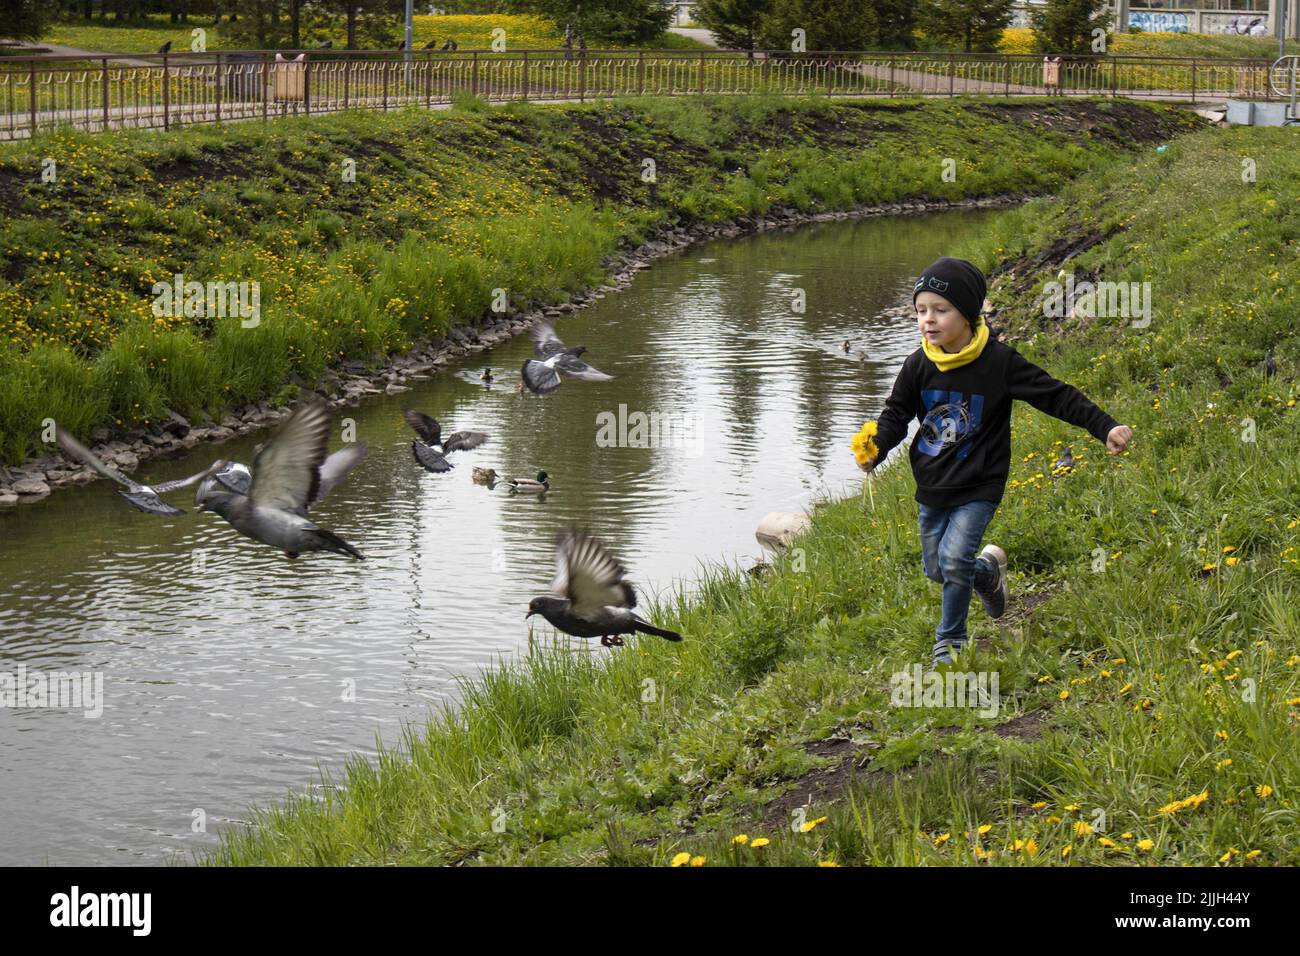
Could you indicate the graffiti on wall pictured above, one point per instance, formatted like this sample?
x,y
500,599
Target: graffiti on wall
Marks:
x,y
1251,24
1153,21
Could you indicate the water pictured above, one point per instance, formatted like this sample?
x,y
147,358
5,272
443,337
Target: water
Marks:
x,y
231,685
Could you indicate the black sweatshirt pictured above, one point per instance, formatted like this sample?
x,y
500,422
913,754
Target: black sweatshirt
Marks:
x,y
963,450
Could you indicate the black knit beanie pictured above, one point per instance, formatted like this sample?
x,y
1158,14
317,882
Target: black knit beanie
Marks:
x,y
958,281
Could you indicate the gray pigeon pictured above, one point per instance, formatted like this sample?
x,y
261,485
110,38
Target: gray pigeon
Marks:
x,y
288,477
591,596
432,449
143,497
1064,463
238,478
556,359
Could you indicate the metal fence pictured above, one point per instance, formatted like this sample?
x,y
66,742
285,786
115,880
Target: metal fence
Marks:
x,y
169,90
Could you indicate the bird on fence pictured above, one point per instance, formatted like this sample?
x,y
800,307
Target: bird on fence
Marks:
x,y
556,359
449,45
288,477
142,497
402,45
591,596
327,45
166,47
431,449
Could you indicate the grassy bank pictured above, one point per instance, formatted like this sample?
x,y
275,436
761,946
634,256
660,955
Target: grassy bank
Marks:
x,y
1149,667
445,208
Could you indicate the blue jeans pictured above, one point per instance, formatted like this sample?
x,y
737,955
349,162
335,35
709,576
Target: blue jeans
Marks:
x,y
950,538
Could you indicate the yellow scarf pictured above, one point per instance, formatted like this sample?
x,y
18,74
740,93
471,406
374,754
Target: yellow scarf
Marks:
x,y
947,361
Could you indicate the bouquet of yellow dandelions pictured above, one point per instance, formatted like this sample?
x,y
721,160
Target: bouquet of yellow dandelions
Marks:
x,y
864,443
864,450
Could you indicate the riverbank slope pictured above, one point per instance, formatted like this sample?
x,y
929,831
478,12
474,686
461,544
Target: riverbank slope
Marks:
x,y
1148,669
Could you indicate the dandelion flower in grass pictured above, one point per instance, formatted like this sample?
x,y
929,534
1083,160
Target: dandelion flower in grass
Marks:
x,y
1231,562
697,861
1263,791
942,838
1065,851
1064,695
827,863
864,443
1108,843
985,828
811,824
1126,688
1053,819
1126,835
1253,854
1082,829
741,838
1040,805
1031,847
681,859
1221,734
1071,808
1146,845
760,843
1232,851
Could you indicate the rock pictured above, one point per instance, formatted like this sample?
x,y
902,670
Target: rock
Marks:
x,y
779,528
176,424
126,461
230,422
221,433
8,499
99,434
393,389
21,474
30,486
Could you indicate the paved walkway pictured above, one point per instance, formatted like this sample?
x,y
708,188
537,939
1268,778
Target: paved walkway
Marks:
x,y
58,49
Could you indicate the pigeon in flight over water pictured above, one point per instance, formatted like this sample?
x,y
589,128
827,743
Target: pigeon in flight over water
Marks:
x,y
431,450
591,596
143,497
288,477
556,359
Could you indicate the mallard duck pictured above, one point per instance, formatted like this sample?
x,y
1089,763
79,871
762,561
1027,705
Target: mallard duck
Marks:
x,y
487,376
537,486
484,476
847,346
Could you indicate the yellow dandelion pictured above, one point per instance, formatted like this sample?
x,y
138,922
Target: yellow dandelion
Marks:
x,y
760,843
1146,845
697,861
1263,791
942,838
741,838
681,859
811,824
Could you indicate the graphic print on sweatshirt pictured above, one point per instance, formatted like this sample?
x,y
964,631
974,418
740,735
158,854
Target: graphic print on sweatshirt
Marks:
x,y
950,419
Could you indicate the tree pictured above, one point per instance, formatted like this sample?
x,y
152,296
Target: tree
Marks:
x,y
1066,26
628,22
827,24
24,19
895,23
976,24
735,23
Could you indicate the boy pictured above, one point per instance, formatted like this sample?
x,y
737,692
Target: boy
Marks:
x,y
960,384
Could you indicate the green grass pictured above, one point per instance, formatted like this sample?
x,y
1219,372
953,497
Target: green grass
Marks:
x,y
1134,662
446,207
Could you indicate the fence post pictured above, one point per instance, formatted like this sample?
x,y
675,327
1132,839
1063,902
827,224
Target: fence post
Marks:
x,y
347,79
640,72
385,88
1114,77
31,91
830,74
952,73
582,74
473,76
891,76
306,85
1007,77
166,93
104,98
1193,81
266,87
701,74
525,76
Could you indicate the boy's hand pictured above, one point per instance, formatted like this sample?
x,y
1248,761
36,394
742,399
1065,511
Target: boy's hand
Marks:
x,y
867,465
1118,439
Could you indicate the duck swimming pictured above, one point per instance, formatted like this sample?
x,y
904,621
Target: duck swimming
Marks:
x,y
537,486
484,476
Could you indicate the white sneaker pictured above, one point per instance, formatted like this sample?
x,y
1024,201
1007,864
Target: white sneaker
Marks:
x,y
995,600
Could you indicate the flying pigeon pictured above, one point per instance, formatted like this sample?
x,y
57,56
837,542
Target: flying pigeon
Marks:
x,y
143,497
556,359
238,477
288,475
431,449
591,596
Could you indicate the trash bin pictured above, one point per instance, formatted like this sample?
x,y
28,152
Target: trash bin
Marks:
x,y
288,78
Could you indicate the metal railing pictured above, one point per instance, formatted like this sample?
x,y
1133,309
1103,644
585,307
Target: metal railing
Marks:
x,y
170,90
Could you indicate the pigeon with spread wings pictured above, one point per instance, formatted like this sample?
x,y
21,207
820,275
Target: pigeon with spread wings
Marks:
x,y
556,359
143,497
591,596
431,449
288,477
